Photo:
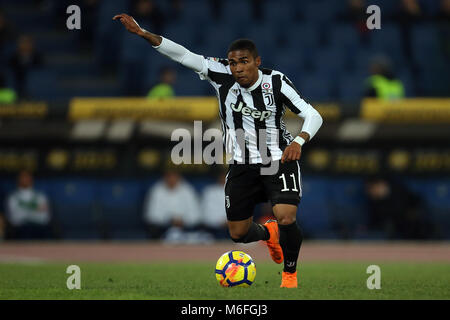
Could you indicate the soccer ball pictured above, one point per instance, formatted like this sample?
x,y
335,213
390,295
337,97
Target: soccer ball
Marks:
x,y
235,269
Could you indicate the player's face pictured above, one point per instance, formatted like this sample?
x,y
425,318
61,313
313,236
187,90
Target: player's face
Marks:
x,y
244,67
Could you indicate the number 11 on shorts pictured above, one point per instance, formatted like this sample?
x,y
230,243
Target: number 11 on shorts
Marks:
x,y
285,188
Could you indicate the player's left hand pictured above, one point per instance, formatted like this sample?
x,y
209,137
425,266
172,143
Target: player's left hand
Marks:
x,y
292,152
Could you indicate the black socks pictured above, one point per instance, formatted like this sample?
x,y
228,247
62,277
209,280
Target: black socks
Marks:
x,y
291,238
255,232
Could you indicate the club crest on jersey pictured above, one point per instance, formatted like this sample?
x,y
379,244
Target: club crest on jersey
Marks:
x,y
246,111
269,99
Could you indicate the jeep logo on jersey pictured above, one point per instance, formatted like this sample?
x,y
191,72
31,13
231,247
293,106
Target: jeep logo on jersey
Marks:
x,y
246,111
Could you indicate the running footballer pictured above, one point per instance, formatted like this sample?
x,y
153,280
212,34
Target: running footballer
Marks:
x,y
253,99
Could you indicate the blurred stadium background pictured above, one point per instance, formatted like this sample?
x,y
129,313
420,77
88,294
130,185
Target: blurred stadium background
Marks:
x,y
96,158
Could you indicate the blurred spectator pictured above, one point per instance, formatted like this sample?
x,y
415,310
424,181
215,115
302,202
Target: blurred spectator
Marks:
x,y
444,11
382,83
171,208
176,9
7,95
443,21
28,214
90,10
356,15
216,8
257,9
22,61
395,210
213,208
408,14
148,14
164,88
7,33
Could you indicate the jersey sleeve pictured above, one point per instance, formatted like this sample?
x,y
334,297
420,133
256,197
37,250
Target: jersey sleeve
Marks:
x,y
215,70
291,98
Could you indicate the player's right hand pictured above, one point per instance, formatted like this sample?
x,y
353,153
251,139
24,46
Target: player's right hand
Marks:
x,y
130,24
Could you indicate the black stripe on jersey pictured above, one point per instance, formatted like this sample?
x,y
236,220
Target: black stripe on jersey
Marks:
x,y
220,78
238,124
266,71
289,104
260,126
286,100
223,92
285,79
276,84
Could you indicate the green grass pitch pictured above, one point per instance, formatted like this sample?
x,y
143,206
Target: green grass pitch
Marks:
x,y
196,281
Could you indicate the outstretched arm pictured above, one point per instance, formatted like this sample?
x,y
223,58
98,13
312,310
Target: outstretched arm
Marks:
x,y
132,26
163,45
311,124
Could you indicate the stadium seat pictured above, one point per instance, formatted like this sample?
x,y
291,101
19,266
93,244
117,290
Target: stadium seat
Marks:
x,y
302,36
313,212
196,11
121,207
133,48
316,88
437,195
408,82
330,61
388,40
106,46
351,87
237,12
291,64
189,84
228,34
387,7
41,84
75,208
152,66
426,47
280,12
321,11
347,205
360,60
266,38
185,34
56,42
431,8
345,36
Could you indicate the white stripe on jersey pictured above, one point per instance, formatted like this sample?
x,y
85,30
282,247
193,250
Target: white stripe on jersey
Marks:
x,y
261,107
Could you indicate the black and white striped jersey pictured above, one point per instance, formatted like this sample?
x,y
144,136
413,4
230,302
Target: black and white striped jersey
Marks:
x,y
257,112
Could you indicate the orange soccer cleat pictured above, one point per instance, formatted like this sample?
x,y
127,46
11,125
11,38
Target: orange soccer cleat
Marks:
x,y
289,280
273,243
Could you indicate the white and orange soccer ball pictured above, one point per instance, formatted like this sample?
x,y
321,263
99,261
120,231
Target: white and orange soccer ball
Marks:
x,y
235,269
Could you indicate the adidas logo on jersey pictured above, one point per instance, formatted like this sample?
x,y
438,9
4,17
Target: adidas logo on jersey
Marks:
x,y
246,111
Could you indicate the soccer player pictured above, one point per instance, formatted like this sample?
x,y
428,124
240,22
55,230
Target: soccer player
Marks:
x,y
253,100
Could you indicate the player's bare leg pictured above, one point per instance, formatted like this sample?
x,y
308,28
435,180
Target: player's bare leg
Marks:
x,y
290,241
